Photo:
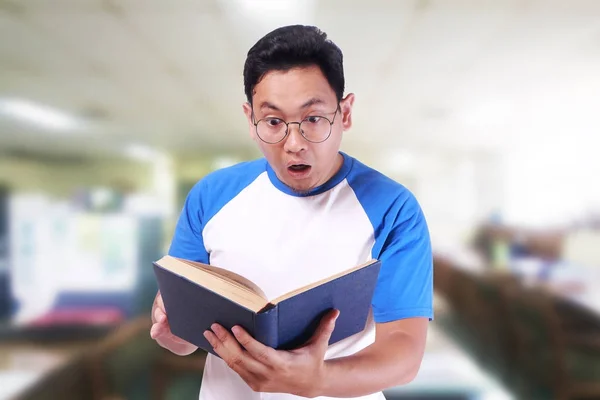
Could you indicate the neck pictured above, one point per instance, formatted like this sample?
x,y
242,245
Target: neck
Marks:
x,y
339,161
330,179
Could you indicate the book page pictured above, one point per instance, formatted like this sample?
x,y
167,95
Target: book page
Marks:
x,y
226,287
321,282
229,276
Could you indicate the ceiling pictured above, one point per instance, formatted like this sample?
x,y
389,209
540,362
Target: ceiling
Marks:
x,y
461,75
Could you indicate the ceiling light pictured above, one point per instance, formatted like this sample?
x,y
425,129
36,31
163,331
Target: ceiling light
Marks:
x,y
43,116
268,6
269,14
140,152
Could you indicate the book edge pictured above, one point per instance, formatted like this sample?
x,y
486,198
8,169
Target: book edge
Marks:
x,y
331,278
220,288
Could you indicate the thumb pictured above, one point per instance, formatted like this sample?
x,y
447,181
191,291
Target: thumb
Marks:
x,y
323,332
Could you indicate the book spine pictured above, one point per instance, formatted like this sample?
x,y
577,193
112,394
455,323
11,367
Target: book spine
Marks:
x,y
266,327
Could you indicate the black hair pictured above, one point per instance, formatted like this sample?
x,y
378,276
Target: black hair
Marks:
x,y
290,47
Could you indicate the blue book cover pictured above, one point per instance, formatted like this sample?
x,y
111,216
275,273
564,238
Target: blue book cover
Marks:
x,y
197,295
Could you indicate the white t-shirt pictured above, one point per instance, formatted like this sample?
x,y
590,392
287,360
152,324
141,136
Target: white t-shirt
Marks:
x,y
243,218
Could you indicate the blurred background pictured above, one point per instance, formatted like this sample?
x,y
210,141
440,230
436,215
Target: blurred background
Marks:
x,y
487,110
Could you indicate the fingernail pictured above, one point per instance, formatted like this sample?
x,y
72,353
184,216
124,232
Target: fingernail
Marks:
x,y
235,330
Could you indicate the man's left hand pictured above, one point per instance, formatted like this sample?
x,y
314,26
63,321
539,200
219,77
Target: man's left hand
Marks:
x,y
264,369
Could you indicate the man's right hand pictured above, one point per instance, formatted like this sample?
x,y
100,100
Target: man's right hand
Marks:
x,y
161,331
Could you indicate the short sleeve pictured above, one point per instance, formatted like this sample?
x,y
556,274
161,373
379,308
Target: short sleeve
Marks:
x,y
187,239
405,284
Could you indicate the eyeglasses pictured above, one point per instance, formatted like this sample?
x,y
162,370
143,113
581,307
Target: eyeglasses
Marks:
x,y
314,128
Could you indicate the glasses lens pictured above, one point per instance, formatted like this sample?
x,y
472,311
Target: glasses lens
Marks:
x,y
316,129
271,130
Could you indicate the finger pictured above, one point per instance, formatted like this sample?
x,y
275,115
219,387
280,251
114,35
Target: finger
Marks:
x,y
233,359
158,308
323,332
159,315
158,301
226,339
228,348
236,362
159,329
258,351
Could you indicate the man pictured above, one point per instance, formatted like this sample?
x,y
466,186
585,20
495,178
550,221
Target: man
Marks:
x,y
302,213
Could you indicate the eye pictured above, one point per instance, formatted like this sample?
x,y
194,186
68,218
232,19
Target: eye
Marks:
x,y
313,119
273,121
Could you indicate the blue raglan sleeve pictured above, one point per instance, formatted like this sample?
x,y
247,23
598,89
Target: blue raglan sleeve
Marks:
x,y
187,239
405,284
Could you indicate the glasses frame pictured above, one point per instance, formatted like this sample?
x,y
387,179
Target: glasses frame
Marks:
x,y
287,126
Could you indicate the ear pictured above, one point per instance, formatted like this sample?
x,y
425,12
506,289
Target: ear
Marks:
x,y
248,112
346,106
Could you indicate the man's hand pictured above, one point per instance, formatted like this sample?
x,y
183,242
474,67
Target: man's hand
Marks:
x,y
265,369
161,331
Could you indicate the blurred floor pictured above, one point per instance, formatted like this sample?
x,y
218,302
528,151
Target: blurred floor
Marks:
x,y
448,371
24,364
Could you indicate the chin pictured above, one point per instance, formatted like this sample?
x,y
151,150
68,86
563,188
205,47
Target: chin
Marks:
x,y
301,188
301,191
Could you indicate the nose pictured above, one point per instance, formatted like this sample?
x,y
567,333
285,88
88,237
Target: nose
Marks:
x,y
294,142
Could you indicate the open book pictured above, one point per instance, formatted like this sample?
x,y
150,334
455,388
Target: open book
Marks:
x,y
197,295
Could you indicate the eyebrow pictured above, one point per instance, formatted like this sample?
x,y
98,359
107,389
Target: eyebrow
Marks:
x,y
311,102
266,104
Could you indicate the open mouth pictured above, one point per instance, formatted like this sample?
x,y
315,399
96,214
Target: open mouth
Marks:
x,y
299,167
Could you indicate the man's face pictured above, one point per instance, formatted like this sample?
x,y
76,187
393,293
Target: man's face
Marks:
x,y
293,96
